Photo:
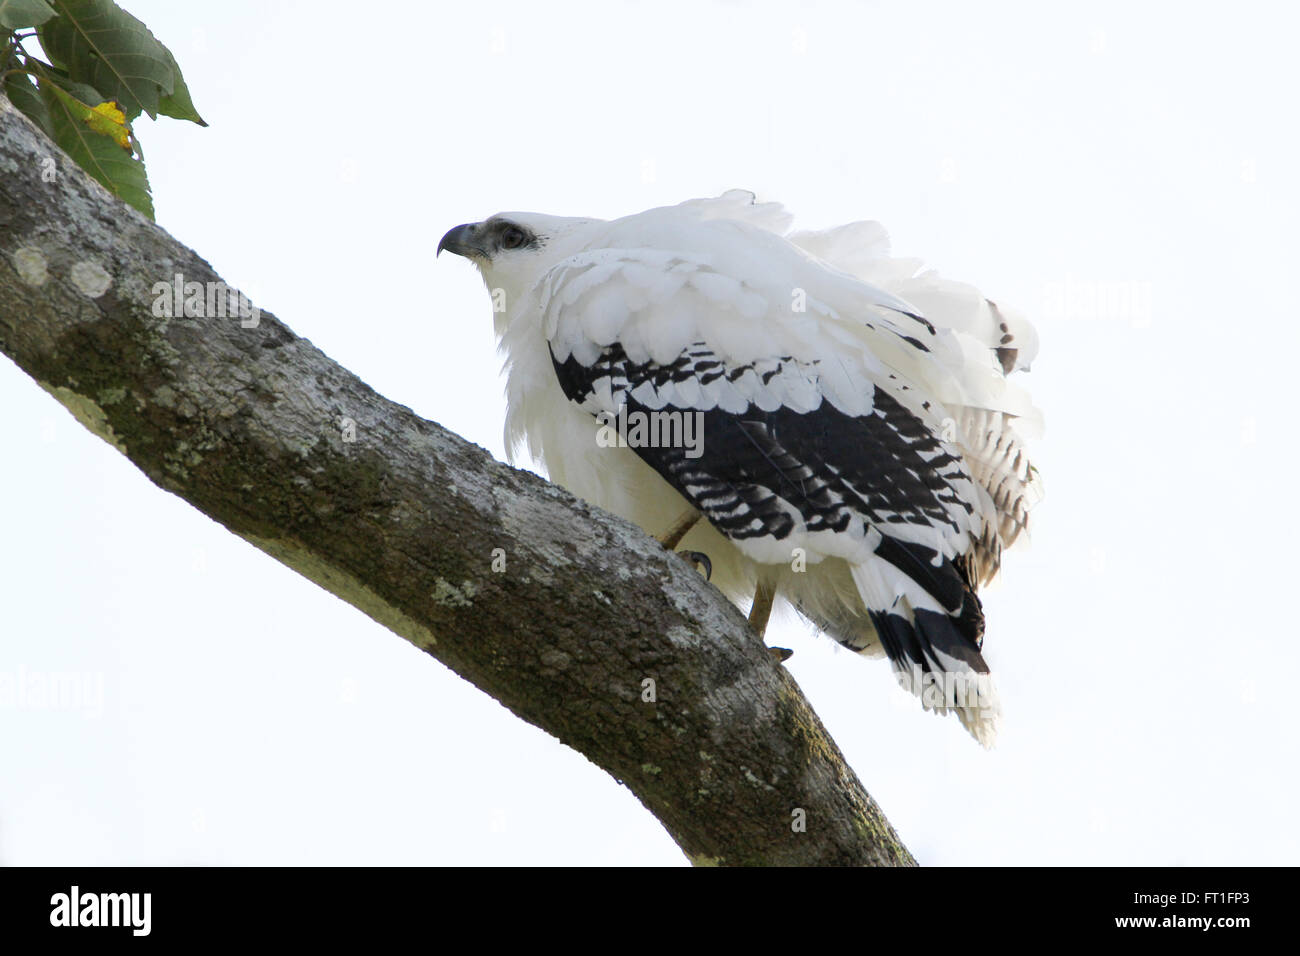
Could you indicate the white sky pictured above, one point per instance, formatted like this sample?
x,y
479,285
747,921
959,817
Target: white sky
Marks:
x,y
1126,177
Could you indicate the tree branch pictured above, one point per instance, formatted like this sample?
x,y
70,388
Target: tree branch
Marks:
x,y
246,424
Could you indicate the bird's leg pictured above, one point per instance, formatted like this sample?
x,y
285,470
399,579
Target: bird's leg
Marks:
x,y
673,536
761,610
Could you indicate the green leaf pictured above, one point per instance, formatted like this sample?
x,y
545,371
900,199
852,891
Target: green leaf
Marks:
x,y
105,118
22,92
84,93
24,13
99,43
114,167
179,105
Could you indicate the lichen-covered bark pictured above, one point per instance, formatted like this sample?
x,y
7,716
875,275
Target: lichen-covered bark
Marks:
x,y
412,525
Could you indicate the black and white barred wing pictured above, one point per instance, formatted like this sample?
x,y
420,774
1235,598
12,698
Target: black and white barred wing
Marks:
x,y
819,431
995,417
991,416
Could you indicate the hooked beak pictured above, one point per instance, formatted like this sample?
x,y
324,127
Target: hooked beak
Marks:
x,y
463,241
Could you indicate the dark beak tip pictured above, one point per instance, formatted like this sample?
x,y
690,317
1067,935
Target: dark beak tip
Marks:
x,y
457,240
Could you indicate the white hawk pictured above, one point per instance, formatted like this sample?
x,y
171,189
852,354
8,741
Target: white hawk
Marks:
x,y
846,423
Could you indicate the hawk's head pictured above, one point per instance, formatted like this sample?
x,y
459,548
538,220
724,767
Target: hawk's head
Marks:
x,y
514,249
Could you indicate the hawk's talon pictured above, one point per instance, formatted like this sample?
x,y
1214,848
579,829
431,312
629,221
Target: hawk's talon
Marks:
x,y
700,559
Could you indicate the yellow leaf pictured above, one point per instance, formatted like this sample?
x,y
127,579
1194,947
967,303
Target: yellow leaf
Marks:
x,y
108,118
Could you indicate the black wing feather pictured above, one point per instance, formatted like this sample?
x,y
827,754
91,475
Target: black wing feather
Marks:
x,y
827,466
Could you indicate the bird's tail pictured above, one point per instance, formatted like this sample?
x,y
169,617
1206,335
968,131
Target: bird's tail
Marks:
x,y
935,652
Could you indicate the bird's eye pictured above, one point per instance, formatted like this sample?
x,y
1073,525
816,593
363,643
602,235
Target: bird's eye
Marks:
x,y
512,237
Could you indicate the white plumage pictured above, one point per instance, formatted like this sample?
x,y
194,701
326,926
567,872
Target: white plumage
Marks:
x,y
863,435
